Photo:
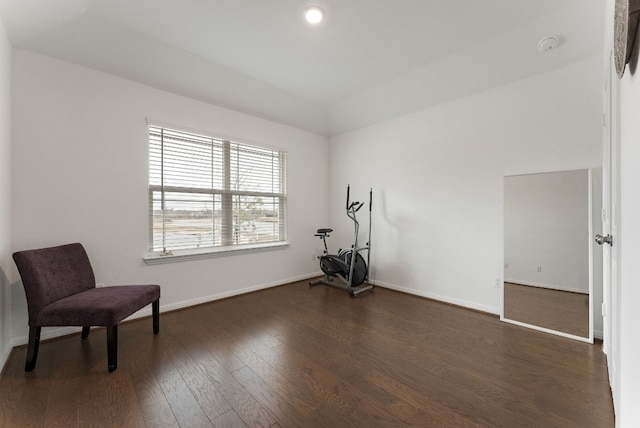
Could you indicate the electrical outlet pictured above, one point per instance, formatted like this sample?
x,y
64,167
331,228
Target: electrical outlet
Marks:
x,y
498,283
506,265
539,268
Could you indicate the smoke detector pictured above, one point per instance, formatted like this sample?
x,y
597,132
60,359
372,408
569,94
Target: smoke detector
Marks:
x,y
547,43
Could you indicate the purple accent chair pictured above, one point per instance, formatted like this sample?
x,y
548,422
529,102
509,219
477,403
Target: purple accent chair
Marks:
x,y
61,291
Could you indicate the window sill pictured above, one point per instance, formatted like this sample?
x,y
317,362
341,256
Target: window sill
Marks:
x,y
188,255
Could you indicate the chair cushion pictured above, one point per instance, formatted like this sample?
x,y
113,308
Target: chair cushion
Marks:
x,y
104,306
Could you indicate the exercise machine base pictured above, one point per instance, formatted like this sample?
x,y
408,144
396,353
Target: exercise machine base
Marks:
x,y
353,291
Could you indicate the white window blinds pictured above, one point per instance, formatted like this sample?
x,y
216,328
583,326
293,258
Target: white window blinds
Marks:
x,y
207,192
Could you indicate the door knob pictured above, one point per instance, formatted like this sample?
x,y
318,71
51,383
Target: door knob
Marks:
x,y
604,239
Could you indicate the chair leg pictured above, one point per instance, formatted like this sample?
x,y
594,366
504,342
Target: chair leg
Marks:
x,y
155,309
112,347
85,332
32,349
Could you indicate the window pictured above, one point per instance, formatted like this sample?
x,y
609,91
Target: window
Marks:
x,y
209,194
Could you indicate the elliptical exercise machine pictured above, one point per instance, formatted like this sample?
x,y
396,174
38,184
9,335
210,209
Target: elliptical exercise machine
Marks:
x,y
348,266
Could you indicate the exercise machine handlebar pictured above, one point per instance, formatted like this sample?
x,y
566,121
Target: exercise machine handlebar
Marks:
x,y
356,204
348,189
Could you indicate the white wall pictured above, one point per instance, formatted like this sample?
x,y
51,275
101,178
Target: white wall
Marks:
x,y
80,156
5,195
546,225
627,320
437,178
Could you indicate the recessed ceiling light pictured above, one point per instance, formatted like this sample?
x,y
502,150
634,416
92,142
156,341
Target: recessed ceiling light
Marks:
x,y
314,14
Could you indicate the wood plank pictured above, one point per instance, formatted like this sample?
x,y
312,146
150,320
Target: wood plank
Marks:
x,y
229,420
185,407
145,366
208,397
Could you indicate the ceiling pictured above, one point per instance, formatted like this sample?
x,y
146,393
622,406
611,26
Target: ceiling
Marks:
x,y
370,60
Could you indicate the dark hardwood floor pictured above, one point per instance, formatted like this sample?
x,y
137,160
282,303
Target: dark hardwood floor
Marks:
x,y
294,356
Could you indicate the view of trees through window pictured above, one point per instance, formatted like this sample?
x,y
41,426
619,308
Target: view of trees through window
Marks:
x,y
210,192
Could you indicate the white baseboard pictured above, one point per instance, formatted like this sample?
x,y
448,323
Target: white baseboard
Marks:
x,y
438,297
218,296
598,334
45,334
549,286
5,357
53,332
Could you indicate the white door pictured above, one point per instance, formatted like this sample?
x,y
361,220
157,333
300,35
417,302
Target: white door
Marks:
x,y
610,214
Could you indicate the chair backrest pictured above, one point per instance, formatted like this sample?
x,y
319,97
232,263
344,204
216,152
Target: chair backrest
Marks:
x,y
50,274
